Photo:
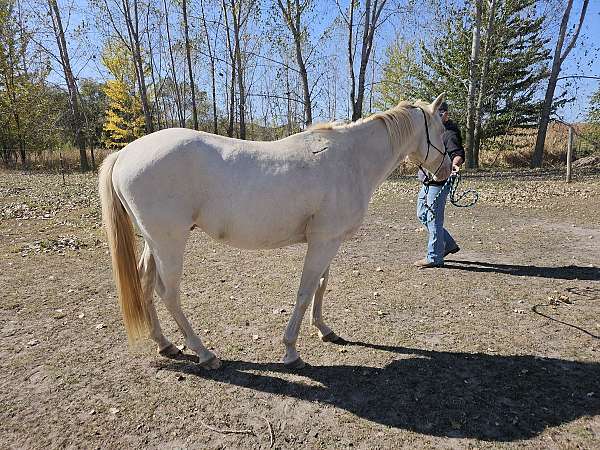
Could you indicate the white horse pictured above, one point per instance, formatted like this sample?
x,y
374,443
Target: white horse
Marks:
x,y
311,187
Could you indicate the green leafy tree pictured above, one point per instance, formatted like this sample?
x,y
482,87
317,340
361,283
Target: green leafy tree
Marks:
x,y
124,120
94,104
29,107
400,75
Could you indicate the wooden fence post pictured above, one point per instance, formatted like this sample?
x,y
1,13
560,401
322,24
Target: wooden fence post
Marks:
x,y
62,167
569,154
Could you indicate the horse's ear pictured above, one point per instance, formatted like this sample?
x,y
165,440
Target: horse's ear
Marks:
x,y
438,101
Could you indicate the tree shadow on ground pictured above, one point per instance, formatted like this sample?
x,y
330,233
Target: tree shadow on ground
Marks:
x,y
488,397
561,272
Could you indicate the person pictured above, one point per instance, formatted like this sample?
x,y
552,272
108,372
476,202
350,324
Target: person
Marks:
x,y
440,243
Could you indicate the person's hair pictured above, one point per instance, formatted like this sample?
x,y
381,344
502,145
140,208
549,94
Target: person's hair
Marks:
x,y
444,107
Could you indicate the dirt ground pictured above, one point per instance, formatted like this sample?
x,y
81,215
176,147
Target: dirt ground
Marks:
x,y
499,349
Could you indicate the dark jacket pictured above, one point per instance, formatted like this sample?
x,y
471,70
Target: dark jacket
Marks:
x,y
453,143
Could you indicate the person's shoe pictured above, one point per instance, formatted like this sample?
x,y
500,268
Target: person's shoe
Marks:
x,y
425,264
454,250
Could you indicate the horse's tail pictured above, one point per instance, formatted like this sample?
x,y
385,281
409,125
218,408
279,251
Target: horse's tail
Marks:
x,y
121,242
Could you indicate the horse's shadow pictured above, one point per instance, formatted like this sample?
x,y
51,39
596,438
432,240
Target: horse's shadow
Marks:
x,y
489,397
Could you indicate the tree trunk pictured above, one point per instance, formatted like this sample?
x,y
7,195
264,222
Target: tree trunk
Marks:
x,y
293,21
59,34
134,38
473,63
290,128
212,70
487,52
189,63
351,55
236,14
558,59
151,55
178,102
372,14
9,83
22,152
232,58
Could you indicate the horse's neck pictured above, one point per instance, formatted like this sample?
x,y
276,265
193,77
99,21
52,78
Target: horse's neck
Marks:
x,y
378,158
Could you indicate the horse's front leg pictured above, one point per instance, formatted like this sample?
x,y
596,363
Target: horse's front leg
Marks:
x,y
316,263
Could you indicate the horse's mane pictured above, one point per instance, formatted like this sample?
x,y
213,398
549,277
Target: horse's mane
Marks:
x,y
397,121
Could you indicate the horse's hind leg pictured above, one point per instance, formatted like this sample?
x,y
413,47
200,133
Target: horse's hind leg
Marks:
x,y
317,260
169,264
147,271
316,318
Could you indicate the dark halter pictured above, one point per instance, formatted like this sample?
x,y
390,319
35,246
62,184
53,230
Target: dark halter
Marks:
x,y
429,145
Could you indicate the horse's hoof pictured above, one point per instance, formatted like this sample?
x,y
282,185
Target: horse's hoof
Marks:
x,y
170,352
295,364
334,338
211,363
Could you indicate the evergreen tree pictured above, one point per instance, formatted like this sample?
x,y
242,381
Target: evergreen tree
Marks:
x,y
592,137
594,108
517,55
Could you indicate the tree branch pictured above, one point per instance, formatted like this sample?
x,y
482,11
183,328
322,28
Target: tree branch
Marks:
x,y
574,38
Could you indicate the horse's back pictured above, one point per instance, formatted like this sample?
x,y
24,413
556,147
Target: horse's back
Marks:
x,y
246,193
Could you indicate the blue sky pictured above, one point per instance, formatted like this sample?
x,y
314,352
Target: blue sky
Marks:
x,y
583,60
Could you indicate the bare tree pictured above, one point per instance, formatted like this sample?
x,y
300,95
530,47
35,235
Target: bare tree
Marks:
x,y
178,101
473,82
240,11
211,57
153,71
133,30
292,14
560,55
488,49
240,17
77,118
189,63
232,52
133,44
372,16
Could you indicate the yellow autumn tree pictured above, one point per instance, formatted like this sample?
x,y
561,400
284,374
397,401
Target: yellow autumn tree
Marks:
x,y
124,116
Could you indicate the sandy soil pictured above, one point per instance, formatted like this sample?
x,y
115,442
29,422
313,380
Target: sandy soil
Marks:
x,y
501,348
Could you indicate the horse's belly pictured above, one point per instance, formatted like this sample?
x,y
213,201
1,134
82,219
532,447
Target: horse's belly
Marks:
x,y
256,229
267,242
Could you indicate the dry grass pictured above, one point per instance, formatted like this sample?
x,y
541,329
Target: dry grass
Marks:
x,y
516,150
66,160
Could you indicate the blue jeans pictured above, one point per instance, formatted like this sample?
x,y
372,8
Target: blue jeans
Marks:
x,y
440,240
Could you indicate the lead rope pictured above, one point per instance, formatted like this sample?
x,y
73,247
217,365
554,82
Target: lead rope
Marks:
x,y
453,181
